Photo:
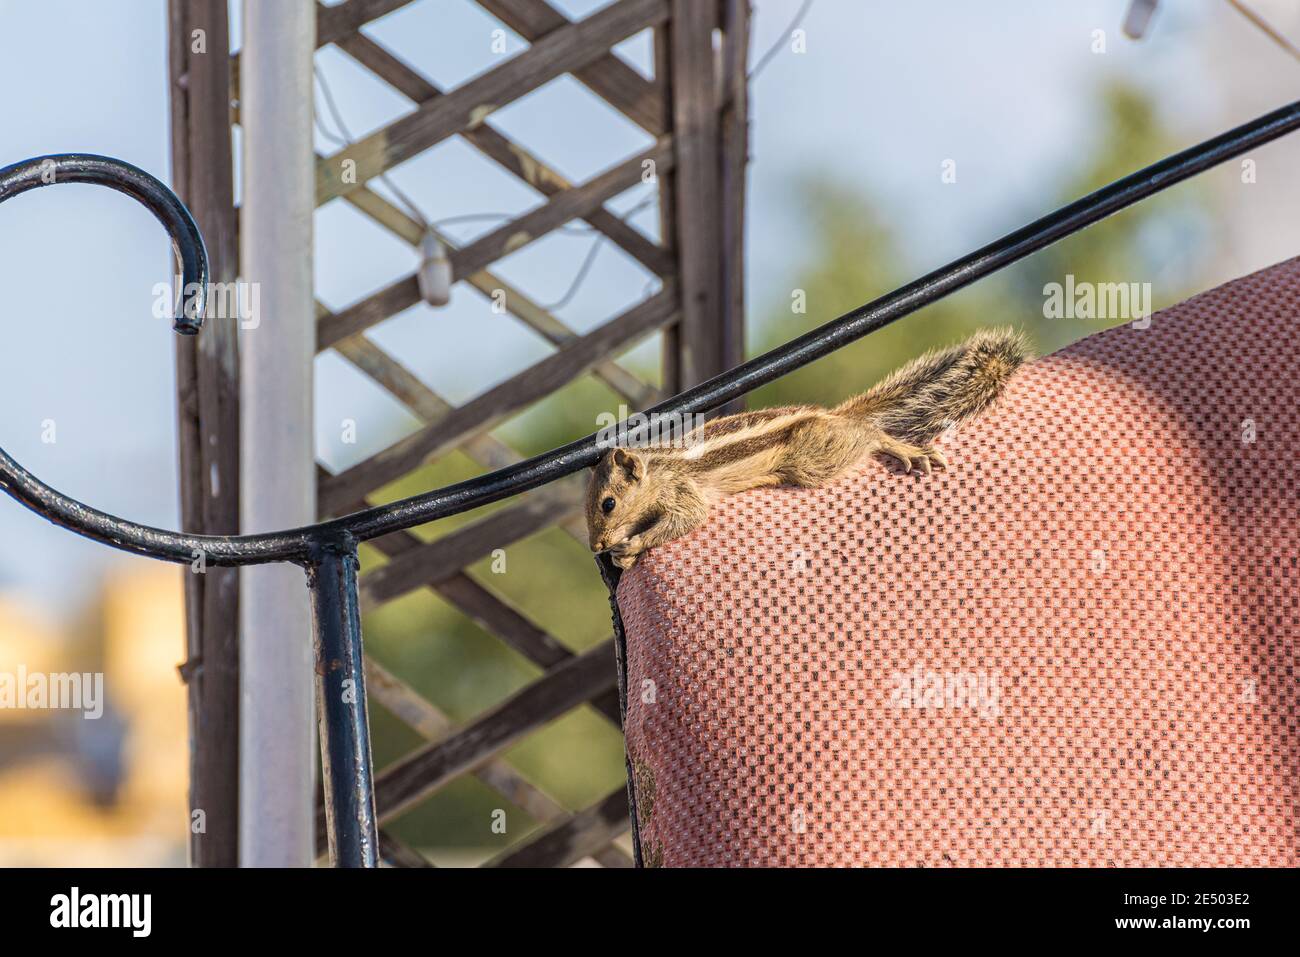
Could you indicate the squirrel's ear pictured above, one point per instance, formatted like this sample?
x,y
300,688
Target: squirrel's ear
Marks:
x,y
630,463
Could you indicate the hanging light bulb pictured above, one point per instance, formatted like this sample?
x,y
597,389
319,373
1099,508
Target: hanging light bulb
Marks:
x,y
1138,18
435,270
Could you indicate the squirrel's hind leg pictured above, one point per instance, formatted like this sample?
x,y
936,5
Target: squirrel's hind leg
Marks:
x,y
924,457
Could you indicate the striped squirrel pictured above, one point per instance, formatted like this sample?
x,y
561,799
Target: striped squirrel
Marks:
x,y
645,496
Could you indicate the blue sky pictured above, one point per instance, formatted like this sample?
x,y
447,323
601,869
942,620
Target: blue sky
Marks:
x,y
885,93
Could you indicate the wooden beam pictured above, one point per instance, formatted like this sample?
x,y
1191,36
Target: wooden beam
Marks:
x,y
493,614
427,720
498,404
469,105
378,364
640,394
566,843
188,441
433,725
428,406
379,306
396,854
695,128
334,23
446,556
508,154
573,203
561,208
734,145
557,692
609,77
208,383
409,780
498,617
671,350
489,612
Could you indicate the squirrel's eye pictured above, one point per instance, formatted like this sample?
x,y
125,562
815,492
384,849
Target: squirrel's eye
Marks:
x,y
607,506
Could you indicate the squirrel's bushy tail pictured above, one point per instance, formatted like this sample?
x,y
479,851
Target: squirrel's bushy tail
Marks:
x,y
942,388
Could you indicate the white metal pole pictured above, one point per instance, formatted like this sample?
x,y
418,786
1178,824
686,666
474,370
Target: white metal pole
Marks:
x,y
278,483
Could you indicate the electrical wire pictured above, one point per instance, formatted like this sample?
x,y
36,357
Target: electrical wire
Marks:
x,y
775,48
590,259
581,277
1264,25
347,139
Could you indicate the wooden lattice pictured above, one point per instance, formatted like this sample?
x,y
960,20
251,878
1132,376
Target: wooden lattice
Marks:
x,y
694,107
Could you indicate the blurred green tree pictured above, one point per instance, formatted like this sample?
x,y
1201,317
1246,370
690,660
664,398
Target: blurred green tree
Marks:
x,y
853,260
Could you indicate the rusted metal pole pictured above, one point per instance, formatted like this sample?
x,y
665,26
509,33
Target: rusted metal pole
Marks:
x,y
341,704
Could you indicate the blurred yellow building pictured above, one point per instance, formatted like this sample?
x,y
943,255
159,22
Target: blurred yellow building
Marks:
x,y
109,791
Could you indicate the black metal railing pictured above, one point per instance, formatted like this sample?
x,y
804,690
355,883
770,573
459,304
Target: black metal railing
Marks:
x,y
328,550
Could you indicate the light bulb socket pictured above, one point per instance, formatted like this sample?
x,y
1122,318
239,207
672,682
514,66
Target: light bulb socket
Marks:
x,y
434,275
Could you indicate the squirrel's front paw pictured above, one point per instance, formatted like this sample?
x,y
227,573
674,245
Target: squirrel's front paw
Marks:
x,y
625,554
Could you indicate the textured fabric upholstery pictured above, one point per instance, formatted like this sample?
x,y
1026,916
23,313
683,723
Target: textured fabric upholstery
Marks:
x,y
1075,646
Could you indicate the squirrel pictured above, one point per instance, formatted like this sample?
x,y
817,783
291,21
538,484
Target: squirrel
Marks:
x,y
639,498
